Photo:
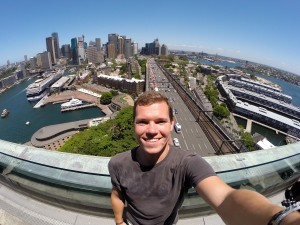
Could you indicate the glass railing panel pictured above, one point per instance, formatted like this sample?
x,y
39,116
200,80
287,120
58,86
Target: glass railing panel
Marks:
x,y
87,180
55,176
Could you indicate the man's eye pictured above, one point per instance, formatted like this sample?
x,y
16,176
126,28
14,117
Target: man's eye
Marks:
x,y
141,122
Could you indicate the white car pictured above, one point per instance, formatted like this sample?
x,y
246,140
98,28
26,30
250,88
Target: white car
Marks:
x,y
176,142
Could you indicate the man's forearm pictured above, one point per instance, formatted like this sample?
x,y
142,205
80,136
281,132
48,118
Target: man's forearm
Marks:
x,y
118,205
248,207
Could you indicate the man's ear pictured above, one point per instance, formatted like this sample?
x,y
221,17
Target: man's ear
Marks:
x,y
172,124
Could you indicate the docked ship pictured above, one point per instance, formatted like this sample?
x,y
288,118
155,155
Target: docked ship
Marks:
x,y
39,88
4,113
72,103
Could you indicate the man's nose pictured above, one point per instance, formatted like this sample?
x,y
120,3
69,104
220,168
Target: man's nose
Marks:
x,y
152,127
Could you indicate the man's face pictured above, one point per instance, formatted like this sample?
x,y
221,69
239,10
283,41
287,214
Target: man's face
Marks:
x,y
153,127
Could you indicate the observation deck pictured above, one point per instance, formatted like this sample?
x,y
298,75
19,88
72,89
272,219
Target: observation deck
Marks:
x,y
39,186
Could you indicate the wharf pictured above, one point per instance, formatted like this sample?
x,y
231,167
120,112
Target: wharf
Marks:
x,y
41,103
67,95
78,107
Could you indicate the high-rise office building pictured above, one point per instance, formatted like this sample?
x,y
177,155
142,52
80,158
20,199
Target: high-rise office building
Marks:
x,y
113,40
81,49
74,51
44,60
66,51
153,48
98,44
56,45
135,48
111,51
32,61
128,48
121,45
164,50
51,48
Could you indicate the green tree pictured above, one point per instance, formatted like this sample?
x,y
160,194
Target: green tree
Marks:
x,y
107,139
123,68
114,93
105,98
221,111
248,140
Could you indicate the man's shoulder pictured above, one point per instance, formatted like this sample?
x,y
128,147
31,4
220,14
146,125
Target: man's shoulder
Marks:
x,y
183,154
122,156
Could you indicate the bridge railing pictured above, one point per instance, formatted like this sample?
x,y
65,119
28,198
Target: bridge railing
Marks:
x,y
82,183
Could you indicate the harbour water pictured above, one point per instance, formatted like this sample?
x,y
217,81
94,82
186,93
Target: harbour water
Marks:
x,y
13,127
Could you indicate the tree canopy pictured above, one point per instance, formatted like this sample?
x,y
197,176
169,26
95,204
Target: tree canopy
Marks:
x,y
107,139
105,98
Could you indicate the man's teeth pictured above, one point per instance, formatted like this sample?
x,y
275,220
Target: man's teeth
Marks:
x,y
153,140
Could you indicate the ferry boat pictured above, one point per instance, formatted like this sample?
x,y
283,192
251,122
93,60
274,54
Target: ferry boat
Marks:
x,y
4,113
38,89
72,103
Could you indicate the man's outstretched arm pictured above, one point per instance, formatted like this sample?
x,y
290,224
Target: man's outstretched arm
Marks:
x,y
118,204
240,206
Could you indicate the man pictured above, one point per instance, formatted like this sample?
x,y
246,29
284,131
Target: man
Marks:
x,y
153,178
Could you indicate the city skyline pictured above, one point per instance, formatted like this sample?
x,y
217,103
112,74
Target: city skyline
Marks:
x,y
265,32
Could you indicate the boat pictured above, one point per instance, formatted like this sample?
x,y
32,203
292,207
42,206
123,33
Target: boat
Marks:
x,y
27,123
72,103
38,89
4,113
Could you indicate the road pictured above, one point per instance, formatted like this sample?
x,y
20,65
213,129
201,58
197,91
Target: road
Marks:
x,y
192,138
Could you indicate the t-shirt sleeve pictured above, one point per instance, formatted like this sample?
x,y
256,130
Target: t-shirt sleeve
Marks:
x,y
113,171
198,169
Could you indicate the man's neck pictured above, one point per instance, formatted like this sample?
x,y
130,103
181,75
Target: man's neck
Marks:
x,y
151,159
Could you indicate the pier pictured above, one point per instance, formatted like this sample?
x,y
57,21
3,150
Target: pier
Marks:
x,y
78,107
67,95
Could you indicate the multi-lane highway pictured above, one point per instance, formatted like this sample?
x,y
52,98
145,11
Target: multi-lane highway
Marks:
x,y
192,138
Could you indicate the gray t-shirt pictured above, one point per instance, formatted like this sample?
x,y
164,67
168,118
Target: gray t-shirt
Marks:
x,y
154,194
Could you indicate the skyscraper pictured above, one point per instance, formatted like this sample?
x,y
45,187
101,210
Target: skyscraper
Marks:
x,y
66,51
128,48
135,48
98,44
112,40
51,48
81,49
56,45
74,51
164,50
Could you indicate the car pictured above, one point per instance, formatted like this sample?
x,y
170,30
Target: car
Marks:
x,y
176,142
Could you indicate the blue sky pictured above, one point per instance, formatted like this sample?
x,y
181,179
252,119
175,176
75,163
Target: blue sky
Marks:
x,y
263,31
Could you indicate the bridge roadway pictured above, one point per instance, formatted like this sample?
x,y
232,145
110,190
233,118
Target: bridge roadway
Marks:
x,y
18,209
192,138
198,129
